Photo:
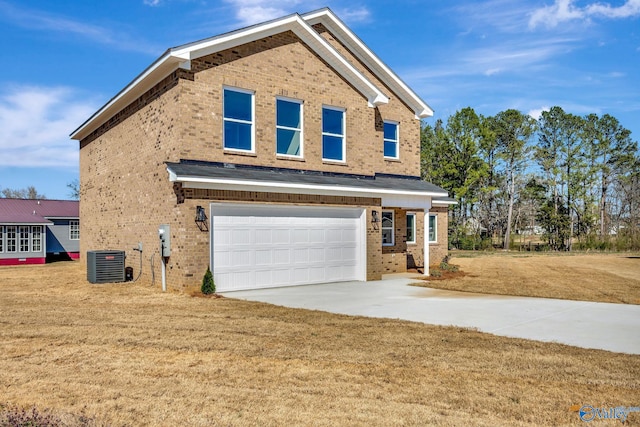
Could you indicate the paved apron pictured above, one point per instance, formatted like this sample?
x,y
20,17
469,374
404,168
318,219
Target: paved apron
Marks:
x,y
613,327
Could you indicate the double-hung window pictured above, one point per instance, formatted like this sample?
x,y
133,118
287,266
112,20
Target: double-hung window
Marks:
x,y
24,238
333,129
289,127
433,228
411,228
387,228
36,238
1,238
74,229
237,106
11,238
390,137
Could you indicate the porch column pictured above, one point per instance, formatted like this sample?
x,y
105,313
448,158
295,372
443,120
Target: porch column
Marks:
x,y
425,223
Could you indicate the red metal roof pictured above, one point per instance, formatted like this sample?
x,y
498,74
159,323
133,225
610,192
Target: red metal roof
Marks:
x,y
30,211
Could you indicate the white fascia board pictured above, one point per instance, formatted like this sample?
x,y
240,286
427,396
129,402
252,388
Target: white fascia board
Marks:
x,y
291,187
444,203
371,60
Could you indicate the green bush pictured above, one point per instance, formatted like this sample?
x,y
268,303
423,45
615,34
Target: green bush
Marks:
x,y
208,285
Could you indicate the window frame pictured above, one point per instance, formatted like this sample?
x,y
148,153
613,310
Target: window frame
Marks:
x,y
396,141
36,238
24,238
392,227
299,130
12,241
2,245
435,228
342,136
413,228
74,229
252,123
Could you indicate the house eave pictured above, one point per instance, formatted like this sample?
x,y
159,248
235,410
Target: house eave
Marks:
x,y
292,187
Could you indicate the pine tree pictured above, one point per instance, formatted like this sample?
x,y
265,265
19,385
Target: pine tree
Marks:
x,y
208,286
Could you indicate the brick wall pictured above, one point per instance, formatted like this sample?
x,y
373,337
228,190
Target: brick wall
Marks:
x,y
440,249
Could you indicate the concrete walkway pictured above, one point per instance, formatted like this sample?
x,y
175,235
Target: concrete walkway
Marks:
x,y
613,327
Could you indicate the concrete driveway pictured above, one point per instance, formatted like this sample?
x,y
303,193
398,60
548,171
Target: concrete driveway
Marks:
x,y
613,327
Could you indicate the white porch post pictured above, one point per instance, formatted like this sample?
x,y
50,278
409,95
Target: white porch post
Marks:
x,y
425,224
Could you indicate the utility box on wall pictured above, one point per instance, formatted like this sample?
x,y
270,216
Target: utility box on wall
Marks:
x,y
105,266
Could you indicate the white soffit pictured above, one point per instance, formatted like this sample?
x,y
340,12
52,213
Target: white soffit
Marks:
x,y
182,55
362,52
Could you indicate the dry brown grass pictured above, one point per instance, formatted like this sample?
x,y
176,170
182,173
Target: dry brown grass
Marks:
x,y
598,277
128,354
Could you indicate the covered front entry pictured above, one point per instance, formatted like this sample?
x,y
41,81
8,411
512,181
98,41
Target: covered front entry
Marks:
x,y
257,246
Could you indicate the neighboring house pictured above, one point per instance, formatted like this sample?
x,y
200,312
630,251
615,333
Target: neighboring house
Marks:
x,y
280,154
32,231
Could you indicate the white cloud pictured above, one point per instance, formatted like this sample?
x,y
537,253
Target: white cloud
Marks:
x,y
361,14
249,12
151,2
536,113
565,10
36,122
37,20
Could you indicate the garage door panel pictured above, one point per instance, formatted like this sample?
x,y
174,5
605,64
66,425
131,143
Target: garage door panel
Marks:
x,y
261,246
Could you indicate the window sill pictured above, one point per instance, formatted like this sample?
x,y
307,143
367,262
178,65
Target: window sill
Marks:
x,y
392,159
334,162
239,152
292,158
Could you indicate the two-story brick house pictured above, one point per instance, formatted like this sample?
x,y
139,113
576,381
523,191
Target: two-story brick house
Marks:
x,y
280,154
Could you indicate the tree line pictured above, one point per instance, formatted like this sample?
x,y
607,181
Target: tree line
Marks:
x,y
572,180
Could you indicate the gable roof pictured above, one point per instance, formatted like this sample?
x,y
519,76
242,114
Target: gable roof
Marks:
x,y
370,59
301,25
31,211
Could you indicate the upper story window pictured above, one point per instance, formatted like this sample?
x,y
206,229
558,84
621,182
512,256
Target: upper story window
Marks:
x,y
74,229
391,150
411,228
387,228
289,127
433,228
333,141
237,106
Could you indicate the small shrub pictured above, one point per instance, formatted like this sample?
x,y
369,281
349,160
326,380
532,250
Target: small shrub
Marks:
x,y
208,285
435,272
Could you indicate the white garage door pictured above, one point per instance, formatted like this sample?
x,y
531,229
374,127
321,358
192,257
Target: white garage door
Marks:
x,y
259,246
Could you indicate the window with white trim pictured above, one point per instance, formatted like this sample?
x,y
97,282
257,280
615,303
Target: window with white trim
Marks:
x,y
24,238
391,139
36,238
74,229
289,127
1,238
411,228
333,138
12,243
433,228
238,118
387,228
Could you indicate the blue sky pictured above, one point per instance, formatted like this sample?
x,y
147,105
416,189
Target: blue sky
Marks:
x,y
63,60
